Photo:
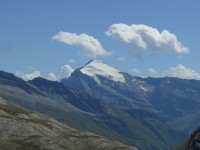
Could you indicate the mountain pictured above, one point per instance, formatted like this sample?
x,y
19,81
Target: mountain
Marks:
x,y
129,100
110,118
82,110
78,99
176,101
178,96
22,129
148,113
117,87
51,98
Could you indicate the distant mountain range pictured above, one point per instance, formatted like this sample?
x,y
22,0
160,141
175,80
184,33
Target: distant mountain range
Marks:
x,y
148,113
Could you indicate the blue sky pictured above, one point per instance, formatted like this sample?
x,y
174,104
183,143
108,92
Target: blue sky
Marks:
x,y
143,37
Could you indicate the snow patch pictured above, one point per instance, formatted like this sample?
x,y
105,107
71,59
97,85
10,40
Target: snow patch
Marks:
x,y
97,67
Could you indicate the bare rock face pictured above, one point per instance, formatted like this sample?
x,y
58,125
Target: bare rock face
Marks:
x,y
23,130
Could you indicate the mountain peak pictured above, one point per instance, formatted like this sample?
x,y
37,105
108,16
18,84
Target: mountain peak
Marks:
x,y
95,68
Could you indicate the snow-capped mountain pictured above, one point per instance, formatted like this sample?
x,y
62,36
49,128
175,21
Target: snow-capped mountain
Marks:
x,y
97,68
111,85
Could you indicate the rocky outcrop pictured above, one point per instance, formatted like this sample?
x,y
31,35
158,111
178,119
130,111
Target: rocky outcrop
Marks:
x,y
21,129
194,142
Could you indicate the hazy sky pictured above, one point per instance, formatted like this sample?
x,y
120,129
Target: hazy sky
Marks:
x,y
51,38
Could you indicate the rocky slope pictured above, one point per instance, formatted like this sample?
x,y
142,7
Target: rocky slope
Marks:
x,y
21,129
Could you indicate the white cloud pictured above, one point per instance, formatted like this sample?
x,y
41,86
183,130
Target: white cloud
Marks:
x,y
29,76
145,37
66,71
71,60
51,76
152,71
181,71
135,71
92,47
122,58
